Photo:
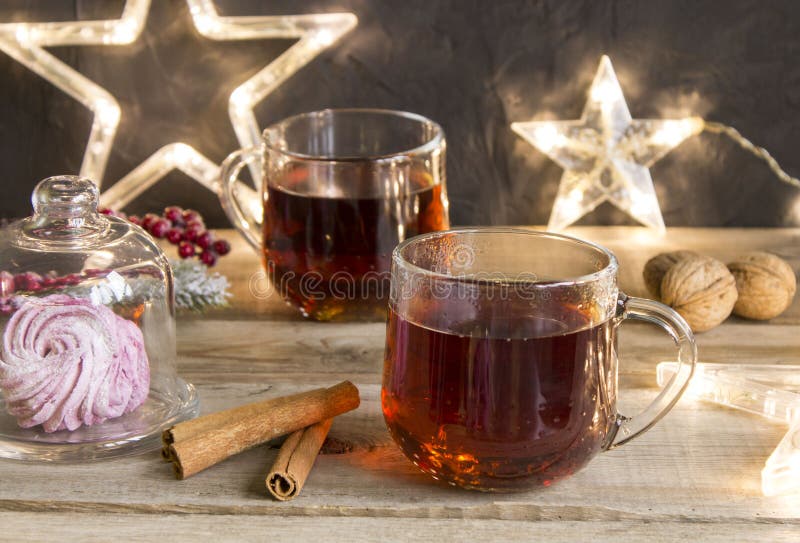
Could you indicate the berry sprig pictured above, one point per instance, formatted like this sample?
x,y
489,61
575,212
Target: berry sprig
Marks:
x,y
196,288
184,228
28,282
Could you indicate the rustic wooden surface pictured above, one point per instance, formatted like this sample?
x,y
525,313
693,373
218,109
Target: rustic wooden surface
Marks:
x,y
695,476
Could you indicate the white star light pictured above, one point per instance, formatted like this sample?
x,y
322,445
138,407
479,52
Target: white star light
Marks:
x,y
25,43
770,391
606,154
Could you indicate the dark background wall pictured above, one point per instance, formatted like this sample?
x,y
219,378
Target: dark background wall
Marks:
x,y
473,65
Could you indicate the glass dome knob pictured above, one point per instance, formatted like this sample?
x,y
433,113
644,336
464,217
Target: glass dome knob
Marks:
x,y
67,195
65,207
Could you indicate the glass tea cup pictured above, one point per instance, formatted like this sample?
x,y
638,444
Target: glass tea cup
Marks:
x,y
339,190
500,370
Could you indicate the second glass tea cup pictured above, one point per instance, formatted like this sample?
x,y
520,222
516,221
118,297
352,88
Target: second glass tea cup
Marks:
x,y
500,370
340,188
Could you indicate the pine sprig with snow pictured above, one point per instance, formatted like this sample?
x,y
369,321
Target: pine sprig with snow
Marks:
x,y
196,289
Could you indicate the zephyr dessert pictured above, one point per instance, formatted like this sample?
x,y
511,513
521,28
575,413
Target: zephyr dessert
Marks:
x,y
87,324
66,362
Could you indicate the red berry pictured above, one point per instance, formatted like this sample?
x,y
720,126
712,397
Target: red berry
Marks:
x,y
185,249
104,211
28,281
135,219
174,235
160,228
71,279
222,247
192,231
49,281
191,215
149,220
204,239
209,258
196,224
173,214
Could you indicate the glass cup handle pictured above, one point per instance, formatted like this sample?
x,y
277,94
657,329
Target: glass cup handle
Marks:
x,y
627,428
241,203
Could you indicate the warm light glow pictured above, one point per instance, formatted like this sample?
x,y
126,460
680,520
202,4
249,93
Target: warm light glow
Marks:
x,y
623,178
547,137
324,37
241,98
204,23
674,132
181,154
604,92
25,43
23,34
640,204
175,156
571,210
575,195
781,473
126,32
766,390
108,113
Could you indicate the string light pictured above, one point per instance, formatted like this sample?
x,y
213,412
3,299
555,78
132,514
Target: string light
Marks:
x,y
25,43
747,145
606,155
766,390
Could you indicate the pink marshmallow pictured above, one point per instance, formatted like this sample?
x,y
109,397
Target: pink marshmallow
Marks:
x,y
66,362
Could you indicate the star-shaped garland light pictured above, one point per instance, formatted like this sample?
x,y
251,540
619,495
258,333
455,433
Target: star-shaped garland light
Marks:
x,y
25,42
606,155
770,391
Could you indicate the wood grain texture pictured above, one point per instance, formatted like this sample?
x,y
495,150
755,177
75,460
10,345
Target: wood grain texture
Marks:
x,y
694,476
28,527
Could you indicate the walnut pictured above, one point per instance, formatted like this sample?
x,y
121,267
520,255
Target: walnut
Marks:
x,y
657,266
701,289
766,285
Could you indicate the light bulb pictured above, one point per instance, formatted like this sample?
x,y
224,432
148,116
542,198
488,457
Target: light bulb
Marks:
x,y
324,37
125,32
108,113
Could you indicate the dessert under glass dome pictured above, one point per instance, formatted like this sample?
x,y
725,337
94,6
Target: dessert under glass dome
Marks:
x,y
87,332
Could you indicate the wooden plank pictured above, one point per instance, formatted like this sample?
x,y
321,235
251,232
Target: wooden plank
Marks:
x,y
99,528
695,466
249,351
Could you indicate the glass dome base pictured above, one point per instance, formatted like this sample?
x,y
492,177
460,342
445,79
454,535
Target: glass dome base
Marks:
x,y
131,434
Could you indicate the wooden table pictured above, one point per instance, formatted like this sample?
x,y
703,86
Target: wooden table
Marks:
x,y
695,476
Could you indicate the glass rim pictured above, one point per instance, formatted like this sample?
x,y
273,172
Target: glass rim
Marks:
x,y
432,143
609,270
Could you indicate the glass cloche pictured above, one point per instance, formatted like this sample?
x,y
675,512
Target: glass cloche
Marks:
x,y
87,319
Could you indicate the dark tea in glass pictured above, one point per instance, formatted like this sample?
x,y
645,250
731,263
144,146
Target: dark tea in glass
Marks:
x,y
331,253
500,371
481,410
340,189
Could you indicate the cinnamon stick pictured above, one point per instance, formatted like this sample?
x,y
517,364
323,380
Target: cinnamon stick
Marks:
x,y
195,445
212,421
295,460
